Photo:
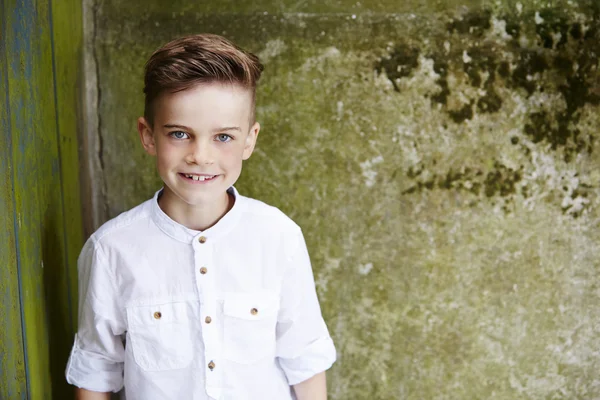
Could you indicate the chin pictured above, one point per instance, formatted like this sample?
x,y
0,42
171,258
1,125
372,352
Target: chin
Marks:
x,y
201,198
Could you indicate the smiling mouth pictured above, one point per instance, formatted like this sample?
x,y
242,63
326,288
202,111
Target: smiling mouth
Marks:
x,y
199,178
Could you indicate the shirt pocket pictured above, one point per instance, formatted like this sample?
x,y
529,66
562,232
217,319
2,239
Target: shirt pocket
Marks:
x,y
160,336
250,322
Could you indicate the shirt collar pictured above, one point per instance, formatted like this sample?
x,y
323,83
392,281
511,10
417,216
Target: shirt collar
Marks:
x,y
187,235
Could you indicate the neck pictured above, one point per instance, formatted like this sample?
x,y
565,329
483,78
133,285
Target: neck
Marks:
x,y
198,217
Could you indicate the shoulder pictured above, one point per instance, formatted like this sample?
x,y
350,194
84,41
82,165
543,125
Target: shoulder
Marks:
x,y
270,225
123,228
264,216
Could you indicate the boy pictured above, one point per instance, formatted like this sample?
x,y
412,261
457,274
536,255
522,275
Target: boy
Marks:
x,y
199,293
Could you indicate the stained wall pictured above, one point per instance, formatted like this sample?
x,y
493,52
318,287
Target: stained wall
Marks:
x,y
442,159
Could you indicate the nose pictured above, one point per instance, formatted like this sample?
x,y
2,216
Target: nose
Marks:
x,y
200,153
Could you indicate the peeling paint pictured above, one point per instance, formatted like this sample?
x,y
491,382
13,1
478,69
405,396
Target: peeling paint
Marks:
x,y
368,171
365,269
40,223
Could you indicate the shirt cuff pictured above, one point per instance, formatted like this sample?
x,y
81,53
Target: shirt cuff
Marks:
x,y
316,357
92,371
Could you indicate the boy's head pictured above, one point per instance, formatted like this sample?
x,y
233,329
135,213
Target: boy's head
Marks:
x,y
199,116
198,59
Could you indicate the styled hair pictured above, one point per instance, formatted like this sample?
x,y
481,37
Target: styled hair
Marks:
x,y
191,60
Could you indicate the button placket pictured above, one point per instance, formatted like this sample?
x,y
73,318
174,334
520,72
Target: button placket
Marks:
x,y
206,284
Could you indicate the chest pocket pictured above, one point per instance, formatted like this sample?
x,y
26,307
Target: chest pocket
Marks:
x,y
250,322
161,336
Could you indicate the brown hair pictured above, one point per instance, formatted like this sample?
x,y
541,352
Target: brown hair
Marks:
x,y
192,60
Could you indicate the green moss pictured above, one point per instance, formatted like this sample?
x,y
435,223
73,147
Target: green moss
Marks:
x,y
463,114
501,181
474,23
553,32
399,64
491,102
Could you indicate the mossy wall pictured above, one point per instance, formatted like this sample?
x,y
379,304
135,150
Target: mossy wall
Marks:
x,y
442,158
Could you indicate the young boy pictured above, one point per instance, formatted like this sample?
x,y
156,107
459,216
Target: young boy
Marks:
x,y
200,292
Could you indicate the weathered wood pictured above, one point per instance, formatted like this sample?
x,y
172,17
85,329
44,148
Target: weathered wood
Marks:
x,y
32,123
67,47
42,47
13,383
68,66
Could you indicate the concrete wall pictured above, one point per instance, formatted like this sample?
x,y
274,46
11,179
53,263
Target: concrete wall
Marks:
x,y
442,158
41,229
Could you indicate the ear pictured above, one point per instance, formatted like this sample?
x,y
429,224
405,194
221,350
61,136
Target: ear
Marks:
x,y
251,141
146,136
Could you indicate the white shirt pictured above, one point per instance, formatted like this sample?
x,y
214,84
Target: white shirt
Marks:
x,y
230,313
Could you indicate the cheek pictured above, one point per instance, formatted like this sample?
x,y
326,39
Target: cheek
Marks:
x,y
232,154
167,154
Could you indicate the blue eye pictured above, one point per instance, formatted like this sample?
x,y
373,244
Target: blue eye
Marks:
x,y
179,135
223,138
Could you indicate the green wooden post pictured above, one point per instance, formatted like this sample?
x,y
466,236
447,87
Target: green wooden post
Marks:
x,y
40,221
12,367
35,174
69,80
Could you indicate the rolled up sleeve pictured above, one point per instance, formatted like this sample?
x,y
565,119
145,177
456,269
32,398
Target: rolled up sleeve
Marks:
x,y
96,360
304,347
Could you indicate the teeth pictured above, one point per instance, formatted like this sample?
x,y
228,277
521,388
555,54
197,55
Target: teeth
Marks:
x,y
199,178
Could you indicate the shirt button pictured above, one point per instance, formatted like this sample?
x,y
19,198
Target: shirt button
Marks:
x,y
202,239
211,365
157,315
203,270
254,311
208,320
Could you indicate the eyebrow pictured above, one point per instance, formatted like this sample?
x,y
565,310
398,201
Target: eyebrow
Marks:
x,y
186,128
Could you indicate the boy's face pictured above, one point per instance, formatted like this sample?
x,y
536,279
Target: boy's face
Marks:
x,y
200,138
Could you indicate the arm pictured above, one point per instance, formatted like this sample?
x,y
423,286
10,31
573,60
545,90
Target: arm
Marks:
x,y
314,388
96,360
304,348
82,394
